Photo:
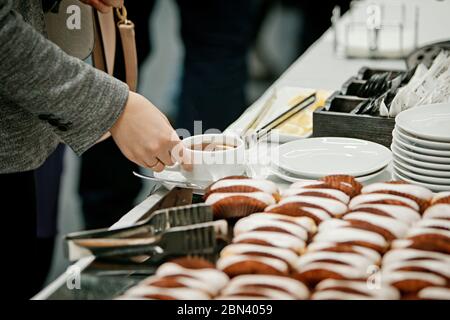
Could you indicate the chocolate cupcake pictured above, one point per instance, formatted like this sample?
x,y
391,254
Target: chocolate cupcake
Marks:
x,y
182,281
333,207
282,254
317,192
234,265
241,184
441,197
301,228
331,289
237,205
434,293
345,183
383,198
438,211
339,258
354,236
272,239
426,238
437,267
409,282
370,254
195,268
159,293
395,255
439,224
313,273
388,227
266,285
293,209
401,213
421,195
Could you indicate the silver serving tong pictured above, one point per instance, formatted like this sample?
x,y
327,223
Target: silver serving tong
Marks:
x,y
139,233
197,239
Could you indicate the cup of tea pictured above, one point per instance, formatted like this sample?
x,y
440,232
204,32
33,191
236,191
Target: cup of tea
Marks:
x,y
213,156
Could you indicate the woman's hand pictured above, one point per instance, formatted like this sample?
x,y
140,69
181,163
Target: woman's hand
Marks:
x,y
103,5
145,136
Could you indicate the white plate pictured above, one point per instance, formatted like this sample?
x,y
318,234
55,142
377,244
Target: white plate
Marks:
x,y
428,122
318,157
425,172
421,178
419,156
287,176
433,187
421,142
421,164
417,148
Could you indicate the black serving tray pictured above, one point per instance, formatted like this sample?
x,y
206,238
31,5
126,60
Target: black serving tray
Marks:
x,y
103,279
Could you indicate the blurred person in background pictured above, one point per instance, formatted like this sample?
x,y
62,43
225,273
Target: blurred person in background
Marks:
x,y
314,19
216,35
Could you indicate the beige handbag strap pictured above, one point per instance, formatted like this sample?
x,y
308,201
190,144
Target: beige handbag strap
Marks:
x,y
128,38
105,44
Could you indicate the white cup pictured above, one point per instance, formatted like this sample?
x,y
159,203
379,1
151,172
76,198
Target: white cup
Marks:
x,y
210,165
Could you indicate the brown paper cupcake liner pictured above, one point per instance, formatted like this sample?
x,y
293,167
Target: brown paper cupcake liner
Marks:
x,y
193,263
236,207
430,242
443,200
411,286
294,209
251,267
208,188
312,277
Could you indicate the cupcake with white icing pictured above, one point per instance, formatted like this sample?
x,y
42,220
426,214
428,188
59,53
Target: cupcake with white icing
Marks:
x,y
232,205
242,184
421,195
331,289
269,286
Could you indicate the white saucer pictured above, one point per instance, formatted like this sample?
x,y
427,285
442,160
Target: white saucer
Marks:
x,y
434,187
416,148
287,176
421,178
425,172
421,164
419,156
176,176
422,142
317,157
430,122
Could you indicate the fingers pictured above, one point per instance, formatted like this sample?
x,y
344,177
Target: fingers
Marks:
x,y
166,158
155,165
182,155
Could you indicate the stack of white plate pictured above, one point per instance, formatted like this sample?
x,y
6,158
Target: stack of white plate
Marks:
x,y
421,146
317,157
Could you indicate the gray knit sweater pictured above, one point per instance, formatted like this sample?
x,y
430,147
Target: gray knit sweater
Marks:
x,y
47,96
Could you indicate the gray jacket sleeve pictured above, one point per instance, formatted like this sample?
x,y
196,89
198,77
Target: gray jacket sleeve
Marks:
x,y
38,76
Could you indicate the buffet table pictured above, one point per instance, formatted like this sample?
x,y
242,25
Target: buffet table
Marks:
x,y
319,67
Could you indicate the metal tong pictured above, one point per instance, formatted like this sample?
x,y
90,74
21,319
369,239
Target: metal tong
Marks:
x,y
175,231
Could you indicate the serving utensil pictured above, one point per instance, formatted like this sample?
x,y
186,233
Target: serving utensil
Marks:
x,y
180,230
